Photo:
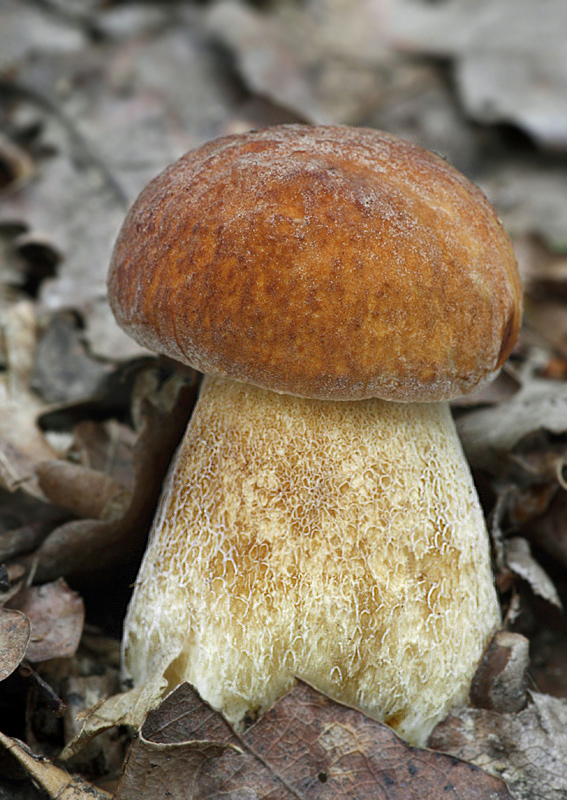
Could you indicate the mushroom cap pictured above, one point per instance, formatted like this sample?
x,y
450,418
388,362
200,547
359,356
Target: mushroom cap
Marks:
x,y
326,262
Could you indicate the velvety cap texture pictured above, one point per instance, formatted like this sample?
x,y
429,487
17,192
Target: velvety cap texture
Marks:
x,y
328,262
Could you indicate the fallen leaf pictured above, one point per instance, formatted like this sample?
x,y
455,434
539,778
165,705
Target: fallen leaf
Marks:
x,y
27,29
78,547
24,522
63,370
526,503
317,60
520,560
306,746
531,199
4,579
106,447
528,749
86,493
417,103
55,782
549,530
547,319
15,634
17,166
11,581
57,616
500,681
127,708
114,112
542,458
544,272
490,434
22,444
503,72
106,752
90,545
79,682
500,390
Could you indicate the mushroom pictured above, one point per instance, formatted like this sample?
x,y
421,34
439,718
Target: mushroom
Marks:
x,y
337,286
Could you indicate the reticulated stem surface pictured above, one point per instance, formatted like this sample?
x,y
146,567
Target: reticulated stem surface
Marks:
x,y
339,542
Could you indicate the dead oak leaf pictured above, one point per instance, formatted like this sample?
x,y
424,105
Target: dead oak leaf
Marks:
x,y
502,71
84,492
116,518
520,560
132,103
318,61
55,782
306,746
490,434
27,29
57,616
527,749
22,444
549,530
15,633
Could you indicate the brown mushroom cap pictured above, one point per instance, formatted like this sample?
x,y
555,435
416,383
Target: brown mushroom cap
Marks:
x,y
327,262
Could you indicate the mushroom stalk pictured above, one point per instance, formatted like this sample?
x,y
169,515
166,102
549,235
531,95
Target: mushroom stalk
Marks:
x,y
339,542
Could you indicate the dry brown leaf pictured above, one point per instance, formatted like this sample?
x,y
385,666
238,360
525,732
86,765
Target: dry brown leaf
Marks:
x,y
15,634
528,502
27,29
16,164
318,60
547,319
520,560
266,58
549,531
500,682
532,199
86,493
79,682
75,548
86,546
19,541
56,782
544,461
80,693
500,390
57,615
528,749
64,371
490,434
22,445
306,746
12,579
548,669
510,58
113,114
128,708
418,104
24,522
106,447
544,272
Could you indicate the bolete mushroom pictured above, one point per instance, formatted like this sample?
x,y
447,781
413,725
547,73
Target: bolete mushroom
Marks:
x,y
338,286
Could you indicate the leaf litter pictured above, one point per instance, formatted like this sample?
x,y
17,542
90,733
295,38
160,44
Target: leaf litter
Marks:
x,y
306,746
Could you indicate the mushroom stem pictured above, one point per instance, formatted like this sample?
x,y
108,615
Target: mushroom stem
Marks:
x,y
340,542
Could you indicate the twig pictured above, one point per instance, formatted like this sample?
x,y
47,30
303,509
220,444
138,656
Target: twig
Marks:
x,y
46,691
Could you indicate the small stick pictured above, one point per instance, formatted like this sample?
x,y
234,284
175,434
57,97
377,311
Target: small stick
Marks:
x,y
46,691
